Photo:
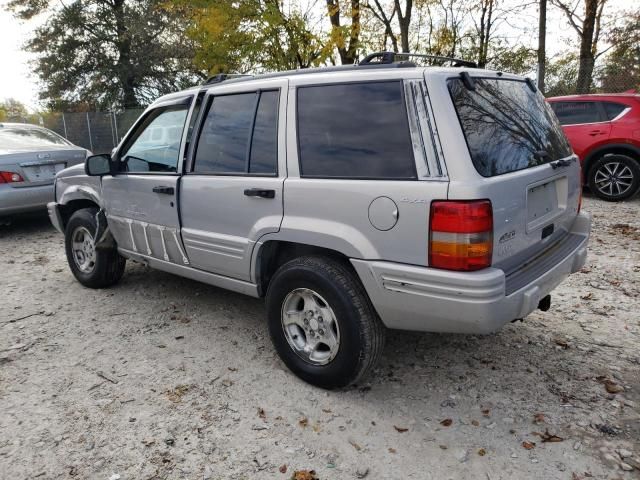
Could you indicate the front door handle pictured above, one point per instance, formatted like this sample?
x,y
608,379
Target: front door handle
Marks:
x,y
259,192
165,190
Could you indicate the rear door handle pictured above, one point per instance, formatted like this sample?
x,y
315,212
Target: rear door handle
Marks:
x,y
165,190
259,192
593,133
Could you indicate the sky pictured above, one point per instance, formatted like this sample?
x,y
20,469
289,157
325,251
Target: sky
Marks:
x,y
17,81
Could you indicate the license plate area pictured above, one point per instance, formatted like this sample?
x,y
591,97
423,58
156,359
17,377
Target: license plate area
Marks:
x,y
44,172
546,201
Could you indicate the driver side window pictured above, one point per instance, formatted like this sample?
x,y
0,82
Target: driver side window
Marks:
x,y
157,147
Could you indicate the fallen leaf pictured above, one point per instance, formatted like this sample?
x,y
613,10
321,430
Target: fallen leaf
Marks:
x,y
443,447
612,387
304,475
400,429
261,413
538,418
561,343
392,450
355,445
177,393
283,468
475,423
486,412
528,445
303,422
548,437
588,296
326,410
232,369
446,422
482,452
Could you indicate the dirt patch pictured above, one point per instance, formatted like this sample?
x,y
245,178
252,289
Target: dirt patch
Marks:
x,y
161,377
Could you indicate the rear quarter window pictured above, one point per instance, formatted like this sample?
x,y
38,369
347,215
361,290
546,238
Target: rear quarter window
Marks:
x,y
613,109
507,126
354,130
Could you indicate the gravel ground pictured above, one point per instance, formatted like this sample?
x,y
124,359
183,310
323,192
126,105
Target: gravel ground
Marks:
x,y
162,377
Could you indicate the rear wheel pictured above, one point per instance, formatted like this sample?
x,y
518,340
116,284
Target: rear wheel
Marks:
x,y
614,177
93,267
322,323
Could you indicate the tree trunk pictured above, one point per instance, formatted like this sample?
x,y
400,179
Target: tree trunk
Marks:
x,y
587,60
404,22
347,50
125,71
542,48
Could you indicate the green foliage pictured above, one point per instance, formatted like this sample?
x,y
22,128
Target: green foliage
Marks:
x,y
107,53
562,75
621,70
11,109
250,35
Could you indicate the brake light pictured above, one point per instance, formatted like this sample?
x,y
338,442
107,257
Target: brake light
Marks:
x,y
461,235
10,177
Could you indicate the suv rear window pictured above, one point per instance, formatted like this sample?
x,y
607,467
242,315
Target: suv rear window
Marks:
x,y
507,126
354,130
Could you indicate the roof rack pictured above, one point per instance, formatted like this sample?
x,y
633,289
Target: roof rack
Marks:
x,y
393,57
221,77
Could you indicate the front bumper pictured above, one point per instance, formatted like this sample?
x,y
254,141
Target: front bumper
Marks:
x,y
430,300
15,200
54,215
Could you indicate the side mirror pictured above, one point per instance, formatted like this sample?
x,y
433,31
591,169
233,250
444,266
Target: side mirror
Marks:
x,y
98,165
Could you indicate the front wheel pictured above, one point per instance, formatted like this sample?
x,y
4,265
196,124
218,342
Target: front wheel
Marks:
x,y
322,323
614,177
93,267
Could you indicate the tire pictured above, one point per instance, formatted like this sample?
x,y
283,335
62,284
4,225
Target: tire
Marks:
x,y
102,266
348,318
614,177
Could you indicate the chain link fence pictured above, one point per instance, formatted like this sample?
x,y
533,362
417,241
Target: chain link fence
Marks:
x,y
95,131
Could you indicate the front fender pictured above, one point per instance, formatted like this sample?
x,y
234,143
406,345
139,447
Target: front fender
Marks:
x,y
67,192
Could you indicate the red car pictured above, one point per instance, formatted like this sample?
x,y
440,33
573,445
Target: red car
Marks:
x,y
604,131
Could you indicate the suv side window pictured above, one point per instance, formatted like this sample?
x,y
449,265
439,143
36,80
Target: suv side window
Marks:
x,y
157,147
576,113
239,135
613,109
354,130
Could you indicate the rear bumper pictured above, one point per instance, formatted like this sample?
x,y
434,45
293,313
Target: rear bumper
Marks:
x,y
15,200
55,217
431,300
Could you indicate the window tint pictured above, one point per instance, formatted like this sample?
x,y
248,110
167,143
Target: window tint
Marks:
x,y
356,130
264,145
157,148
232,122
575,113
613,109
222,147
507,126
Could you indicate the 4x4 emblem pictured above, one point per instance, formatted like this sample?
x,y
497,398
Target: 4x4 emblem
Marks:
x,y
507,236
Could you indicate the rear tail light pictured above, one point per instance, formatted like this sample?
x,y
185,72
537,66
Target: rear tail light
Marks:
x,y
461,235
10,177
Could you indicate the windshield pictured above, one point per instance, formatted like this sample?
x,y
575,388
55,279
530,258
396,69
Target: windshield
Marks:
x,y
20,138
508,127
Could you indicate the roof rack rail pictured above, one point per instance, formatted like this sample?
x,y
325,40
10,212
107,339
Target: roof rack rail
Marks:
x,y
391,57
222,77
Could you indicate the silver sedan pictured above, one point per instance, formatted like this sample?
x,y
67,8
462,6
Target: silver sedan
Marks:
x,y
30,158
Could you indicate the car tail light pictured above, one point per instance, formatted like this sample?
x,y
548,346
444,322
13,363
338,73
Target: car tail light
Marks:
x,y
461,235
10,177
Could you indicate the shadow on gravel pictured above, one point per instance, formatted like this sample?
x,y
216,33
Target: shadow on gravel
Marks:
x,y
26,224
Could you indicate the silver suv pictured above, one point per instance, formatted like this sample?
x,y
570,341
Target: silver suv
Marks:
x,y
355,199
